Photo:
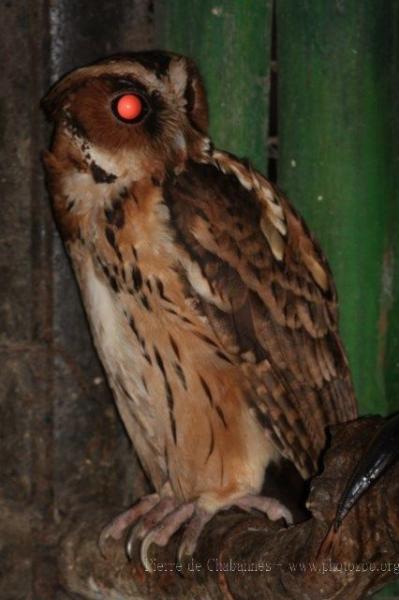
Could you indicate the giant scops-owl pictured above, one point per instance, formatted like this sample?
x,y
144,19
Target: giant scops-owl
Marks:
x,y
211,306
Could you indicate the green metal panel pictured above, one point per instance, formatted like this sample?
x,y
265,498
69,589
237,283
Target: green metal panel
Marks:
x,y
230,40
335,124
391,287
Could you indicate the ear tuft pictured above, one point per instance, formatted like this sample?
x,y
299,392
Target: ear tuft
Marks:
x,y
188,84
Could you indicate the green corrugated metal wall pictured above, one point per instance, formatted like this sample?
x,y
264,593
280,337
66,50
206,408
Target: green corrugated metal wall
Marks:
x,y
230,40
337,106
336,122
335,141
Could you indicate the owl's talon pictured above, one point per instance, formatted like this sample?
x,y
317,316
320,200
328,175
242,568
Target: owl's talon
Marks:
x,y
192,533
129,546
144,548
163,532
116,528
149,521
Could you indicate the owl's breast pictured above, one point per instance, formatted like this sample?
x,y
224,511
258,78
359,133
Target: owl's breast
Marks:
x,y
126,358
181,393
180,397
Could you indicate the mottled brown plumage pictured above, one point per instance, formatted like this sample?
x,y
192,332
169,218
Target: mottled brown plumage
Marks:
x,y
211,305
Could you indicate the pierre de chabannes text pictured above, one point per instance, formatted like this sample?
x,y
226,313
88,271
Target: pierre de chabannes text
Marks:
x,y
216,565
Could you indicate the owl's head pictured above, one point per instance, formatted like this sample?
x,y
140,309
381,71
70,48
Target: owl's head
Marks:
x,y
146,104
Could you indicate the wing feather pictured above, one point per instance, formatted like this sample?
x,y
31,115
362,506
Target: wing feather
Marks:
x,y
270,299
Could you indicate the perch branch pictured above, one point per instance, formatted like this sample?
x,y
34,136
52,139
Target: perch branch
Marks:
x,y
244,556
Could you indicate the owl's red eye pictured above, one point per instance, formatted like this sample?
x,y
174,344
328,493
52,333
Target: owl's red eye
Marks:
x,y
129,108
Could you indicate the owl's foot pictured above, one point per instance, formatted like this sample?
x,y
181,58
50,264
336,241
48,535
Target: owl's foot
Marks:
x,y
156,519
162,522
118,526
165,518
165,529
271,507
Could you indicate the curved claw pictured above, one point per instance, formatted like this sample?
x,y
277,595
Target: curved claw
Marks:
x,y
130,544
145,546
117,526
192,533
162,533
150,520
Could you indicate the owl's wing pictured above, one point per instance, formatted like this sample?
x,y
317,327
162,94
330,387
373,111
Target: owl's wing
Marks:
x,y
269,296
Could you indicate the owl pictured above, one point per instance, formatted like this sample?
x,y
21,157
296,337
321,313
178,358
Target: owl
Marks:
x,y
211,305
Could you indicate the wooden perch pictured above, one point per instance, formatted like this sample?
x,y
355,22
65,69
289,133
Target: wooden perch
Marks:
x,y
244,556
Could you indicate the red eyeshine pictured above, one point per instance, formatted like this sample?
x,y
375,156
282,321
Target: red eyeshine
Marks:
x,y
129,107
